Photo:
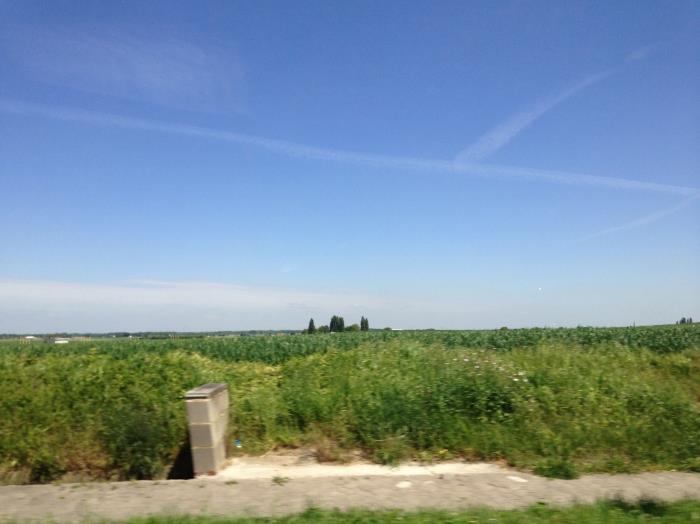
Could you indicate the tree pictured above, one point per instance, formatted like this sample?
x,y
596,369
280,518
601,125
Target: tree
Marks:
x,y
324,329
683,320
353,327
312,328
364,324
337,324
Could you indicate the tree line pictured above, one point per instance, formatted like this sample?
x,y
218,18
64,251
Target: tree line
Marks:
x,y
337,325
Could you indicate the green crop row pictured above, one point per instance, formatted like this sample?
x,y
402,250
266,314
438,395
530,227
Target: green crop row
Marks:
x,y
278,349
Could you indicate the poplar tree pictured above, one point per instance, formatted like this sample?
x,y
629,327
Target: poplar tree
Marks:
x,y
312,327
337,324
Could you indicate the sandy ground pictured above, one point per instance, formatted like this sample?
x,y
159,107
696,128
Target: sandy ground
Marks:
x,y
283,484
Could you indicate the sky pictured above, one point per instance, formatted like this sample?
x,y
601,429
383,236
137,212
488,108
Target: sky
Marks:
x,y
192,166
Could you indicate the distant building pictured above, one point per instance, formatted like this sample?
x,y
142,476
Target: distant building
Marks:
x,y
61,341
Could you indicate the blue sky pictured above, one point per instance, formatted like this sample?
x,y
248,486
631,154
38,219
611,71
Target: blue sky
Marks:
x,y
244,165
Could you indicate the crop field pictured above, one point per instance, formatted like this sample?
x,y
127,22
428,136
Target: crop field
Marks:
x,y
558,401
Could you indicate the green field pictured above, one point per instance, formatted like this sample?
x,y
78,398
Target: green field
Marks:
x,y
559,401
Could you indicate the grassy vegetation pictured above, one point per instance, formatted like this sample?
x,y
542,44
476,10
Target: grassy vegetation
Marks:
x,y
604,512
278,349
559,401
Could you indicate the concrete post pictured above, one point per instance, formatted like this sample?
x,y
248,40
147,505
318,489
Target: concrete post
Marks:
x,y
207,417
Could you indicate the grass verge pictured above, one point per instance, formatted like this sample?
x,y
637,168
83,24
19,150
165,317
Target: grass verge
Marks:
x,y
614,512
560,409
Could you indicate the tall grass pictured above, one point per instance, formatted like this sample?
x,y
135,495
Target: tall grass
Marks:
x,y
601,408
115,409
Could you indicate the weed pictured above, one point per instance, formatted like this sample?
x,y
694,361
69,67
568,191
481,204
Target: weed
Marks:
x,y
280,481
556,468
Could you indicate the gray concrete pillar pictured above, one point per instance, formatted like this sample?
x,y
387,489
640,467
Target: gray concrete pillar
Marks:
x,y
207,417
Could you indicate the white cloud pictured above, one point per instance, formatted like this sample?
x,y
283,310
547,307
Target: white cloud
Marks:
x,y
641,52
36,306
170,72
41,305
156,293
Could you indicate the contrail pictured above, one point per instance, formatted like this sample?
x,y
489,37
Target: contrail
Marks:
x,y
504,133
649,219
348,157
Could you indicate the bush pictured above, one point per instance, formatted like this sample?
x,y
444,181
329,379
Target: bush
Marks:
x,y
137,441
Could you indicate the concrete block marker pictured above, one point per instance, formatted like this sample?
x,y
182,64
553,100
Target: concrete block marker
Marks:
x,y
207,418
